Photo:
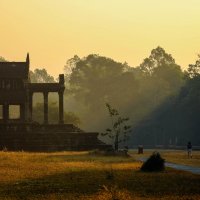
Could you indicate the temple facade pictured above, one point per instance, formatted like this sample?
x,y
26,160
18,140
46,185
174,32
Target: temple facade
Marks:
x,y
16,89
23,133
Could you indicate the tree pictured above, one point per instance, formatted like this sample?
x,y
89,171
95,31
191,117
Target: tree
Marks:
x,y
95,80
194,69
157,58
97,73
2,59
138,92
119,130
41,76
171,76
68,68
160,84
162,79
90,74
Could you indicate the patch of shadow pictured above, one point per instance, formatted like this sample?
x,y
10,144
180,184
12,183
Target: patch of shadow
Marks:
x,y
88,182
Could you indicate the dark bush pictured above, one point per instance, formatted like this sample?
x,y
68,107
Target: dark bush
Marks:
x,y
154,163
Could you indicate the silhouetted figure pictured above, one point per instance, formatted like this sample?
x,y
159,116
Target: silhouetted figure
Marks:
x,y
189,149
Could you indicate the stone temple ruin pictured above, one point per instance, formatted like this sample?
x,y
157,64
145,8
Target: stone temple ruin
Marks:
x,y
24,133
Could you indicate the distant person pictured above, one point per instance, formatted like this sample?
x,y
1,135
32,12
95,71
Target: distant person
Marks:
x,y
189,149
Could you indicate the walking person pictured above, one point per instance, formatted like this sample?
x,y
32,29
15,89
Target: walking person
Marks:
x,y
189,149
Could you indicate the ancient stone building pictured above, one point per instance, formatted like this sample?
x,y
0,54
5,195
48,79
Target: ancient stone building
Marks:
x,y
23,133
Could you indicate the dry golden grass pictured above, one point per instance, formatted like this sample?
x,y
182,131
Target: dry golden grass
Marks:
x,y
78,175
174,156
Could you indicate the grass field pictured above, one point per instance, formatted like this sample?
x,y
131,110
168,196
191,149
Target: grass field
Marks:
x,y
174,156
80,175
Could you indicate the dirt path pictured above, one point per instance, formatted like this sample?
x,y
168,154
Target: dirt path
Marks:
x,y
194,170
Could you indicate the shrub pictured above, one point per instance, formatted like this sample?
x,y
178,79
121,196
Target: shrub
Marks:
x,y
154,163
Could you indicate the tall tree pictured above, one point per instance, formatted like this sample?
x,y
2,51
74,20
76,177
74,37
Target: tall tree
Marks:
x,y
158,57
95,80
41,76
70,65
163,76
2,59
194,69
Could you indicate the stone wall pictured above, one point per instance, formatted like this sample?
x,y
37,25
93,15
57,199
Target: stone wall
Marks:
x,y
48,138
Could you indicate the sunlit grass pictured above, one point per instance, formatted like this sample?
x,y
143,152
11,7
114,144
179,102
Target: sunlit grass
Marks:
x,y
79,175
17,166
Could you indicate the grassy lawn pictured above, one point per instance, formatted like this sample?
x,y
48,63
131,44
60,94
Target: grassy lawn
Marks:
x,y
174,156
79,175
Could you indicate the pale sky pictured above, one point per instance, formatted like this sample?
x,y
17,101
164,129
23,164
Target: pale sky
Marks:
x,y
52,31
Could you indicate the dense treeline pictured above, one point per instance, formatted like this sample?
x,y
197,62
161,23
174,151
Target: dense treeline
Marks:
x,y
176,121
161,100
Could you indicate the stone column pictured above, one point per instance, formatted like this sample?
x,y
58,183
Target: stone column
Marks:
x,y
5,112
61,107
26,103
30,106
22,112
45,107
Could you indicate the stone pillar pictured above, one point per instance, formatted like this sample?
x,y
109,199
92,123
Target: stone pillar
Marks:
x,y
5,112
30,106
45,107
22,112
26,103
61,108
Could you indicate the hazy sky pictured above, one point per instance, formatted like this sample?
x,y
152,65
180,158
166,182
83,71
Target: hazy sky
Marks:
x,y
52,31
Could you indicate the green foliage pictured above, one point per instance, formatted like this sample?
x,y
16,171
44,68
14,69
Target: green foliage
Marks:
x,y
139,92
2,59
157,58
119,131
154,163
176,121
68,68
41,76
95,80
194,69
89,74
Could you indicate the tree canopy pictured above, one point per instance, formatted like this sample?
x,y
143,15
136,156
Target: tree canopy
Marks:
x,y
2,59
194,69
157,58
136,91
41,76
